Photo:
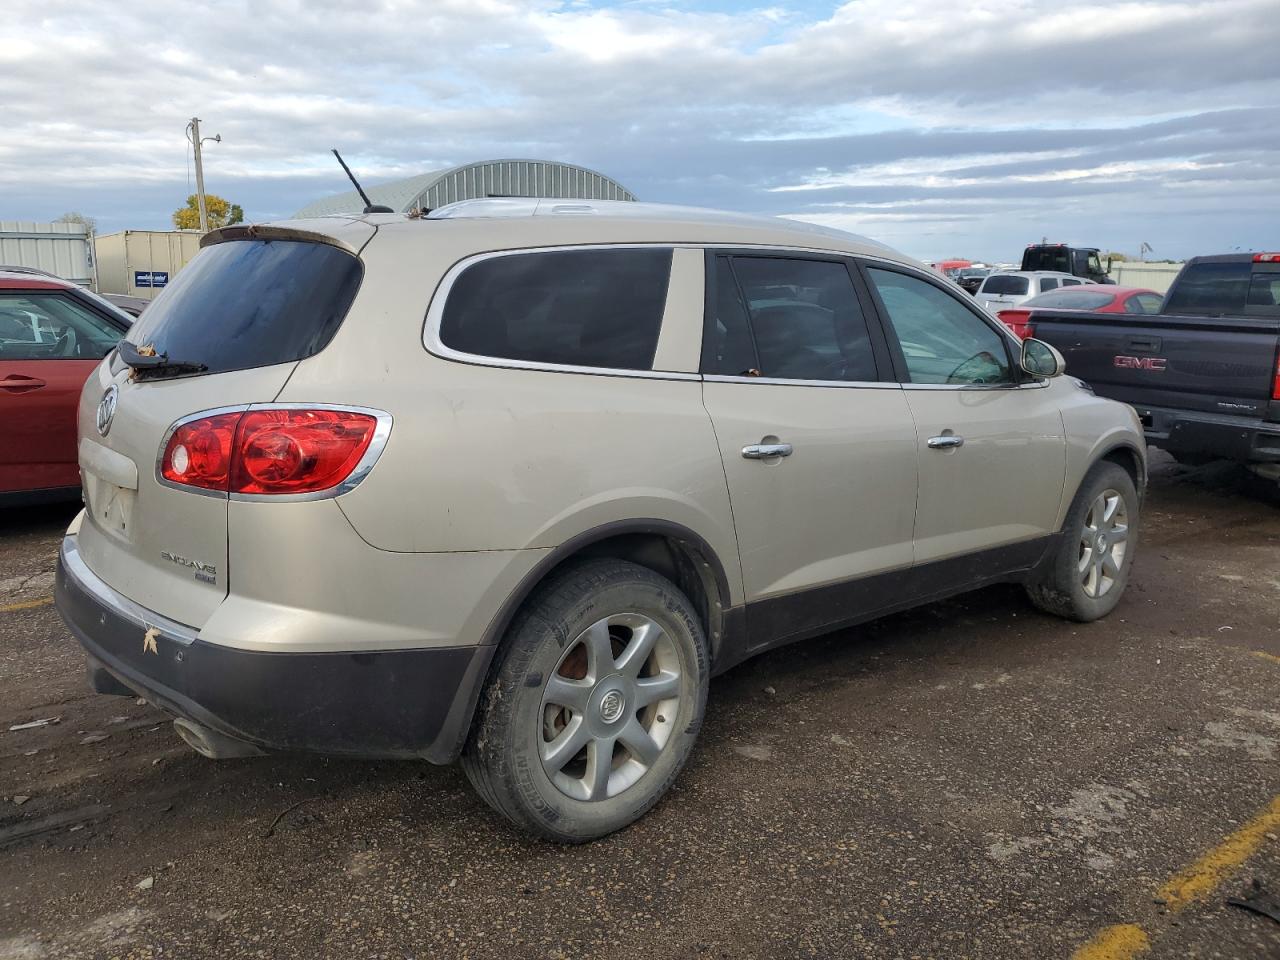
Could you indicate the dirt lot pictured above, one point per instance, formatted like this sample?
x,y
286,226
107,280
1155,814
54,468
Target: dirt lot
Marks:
x,y
973,779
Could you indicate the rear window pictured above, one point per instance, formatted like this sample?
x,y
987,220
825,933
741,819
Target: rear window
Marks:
x,y
582,308
251,303
1047,258
1211,288
1071,300
1017,286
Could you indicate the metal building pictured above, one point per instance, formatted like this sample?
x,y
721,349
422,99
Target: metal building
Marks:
x,y
62,249
486,178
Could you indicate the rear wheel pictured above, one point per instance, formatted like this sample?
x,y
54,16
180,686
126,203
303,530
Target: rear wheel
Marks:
x,y
595,704
1090,570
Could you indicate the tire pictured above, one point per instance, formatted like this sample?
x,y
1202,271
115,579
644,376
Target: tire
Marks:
x,y
552,685
1074,584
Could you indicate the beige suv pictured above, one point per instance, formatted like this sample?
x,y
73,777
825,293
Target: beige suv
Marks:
x,y
512,481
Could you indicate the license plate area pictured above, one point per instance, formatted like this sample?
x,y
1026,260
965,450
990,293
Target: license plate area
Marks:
x,y
110,505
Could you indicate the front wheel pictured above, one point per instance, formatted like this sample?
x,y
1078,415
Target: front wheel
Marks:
x,y
1090,570
595,704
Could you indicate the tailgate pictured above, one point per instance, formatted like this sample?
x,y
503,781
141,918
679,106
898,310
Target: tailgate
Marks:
x,y
161,547
226,333
1214,364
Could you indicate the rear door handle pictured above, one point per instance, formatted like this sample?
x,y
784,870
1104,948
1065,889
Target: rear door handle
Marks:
x,y
17,383
945,443
763,451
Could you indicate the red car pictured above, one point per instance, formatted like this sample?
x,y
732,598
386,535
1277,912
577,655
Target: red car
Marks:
x,y
52,334
1089,296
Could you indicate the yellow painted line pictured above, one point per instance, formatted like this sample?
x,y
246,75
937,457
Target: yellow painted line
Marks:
x,y
1199,880
26,605
1120,942
1266,656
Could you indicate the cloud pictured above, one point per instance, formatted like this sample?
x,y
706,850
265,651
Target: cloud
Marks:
x,y
979,123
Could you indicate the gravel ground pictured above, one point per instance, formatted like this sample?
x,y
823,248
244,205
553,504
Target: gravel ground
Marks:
x,y
972,779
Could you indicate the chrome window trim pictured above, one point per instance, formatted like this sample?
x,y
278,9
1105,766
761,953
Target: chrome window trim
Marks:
x,y
381,433
118,603
435,313
780,382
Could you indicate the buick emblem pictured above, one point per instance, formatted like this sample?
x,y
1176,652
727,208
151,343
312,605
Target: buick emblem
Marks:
x,y
107,409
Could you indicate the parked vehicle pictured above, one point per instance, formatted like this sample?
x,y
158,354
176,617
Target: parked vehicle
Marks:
x,y
1084,262
1204,373
1000,291
631,446
52,335
130,305
970,279
950,268
1089,296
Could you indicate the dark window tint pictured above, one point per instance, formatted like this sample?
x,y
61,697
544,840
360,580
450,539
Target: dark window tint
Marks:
x,y
1048,283
805,320
1005,284
1071,299
1047,258
49,326
1264,290
584,308
1211,288
727,348
942,340
251,303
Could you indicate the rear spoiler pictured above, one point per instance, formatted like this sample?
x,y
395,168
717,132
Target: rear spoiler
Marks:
x,y
256,231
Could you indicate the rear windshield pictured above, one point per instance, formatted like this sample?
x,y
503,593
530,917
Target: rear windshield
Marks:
x,y
1047,258
1074,299
1211,288
1005,284
251,303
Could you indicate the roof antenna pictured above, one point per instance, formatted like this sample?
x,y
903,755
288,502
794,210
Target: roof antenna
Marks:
x,y
369,205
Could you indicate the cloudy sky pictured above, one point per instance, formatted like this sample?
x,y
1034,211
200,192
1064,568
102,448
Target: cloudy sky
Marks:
x,y
943,127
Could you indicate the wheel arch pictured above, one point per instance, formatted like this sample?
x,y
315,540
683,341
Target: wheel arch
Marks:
x,y
670,549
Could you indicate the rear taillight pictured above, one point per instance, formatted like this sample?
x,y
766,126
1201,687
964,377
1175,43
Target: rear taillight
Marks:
x,y
1266,258
273,450
1275,386
198,453
1019,321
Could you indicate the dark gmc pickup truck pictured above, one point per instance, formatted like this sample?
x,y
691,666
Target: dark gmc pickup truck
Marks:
x,y
1204,373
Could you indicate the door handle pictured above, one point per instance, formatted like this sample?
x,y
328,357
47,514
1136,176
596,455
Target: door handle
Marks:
x,y
945,443
17,383
763,451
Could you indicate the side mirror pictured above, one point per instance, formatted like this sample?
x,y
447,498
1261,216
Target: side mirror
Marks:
x,y
1041,360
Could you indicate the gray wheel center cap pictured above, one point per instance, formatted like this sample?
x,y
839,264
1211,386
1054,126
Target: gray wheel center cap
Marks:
x,y
611,706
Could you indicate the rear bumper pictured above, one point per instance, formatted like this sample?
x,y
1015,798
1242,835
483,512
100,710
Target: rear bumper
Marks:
x,y
387,703
1247,439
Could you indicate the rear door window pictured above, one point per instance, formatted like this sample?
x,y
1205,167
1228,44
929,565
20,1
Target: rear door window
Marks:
x,y
1007,285
1048,283
1149,302
583,308
251,303
788,319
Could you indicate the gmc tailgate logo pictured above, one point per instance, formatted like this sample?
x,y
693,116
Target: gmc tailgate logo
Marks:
x,y
1140,363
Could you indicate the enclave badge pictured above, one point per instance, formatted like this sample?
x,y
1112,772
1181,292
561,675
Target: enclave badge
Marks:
x,y
107,410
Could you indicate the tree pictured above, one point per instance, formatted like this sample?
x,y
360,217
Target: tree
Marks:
x,y
74,217
219,211
1117,257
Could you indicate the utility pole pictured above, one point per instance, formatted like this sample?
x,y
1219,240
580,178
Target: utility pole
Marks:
x,y
193,134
